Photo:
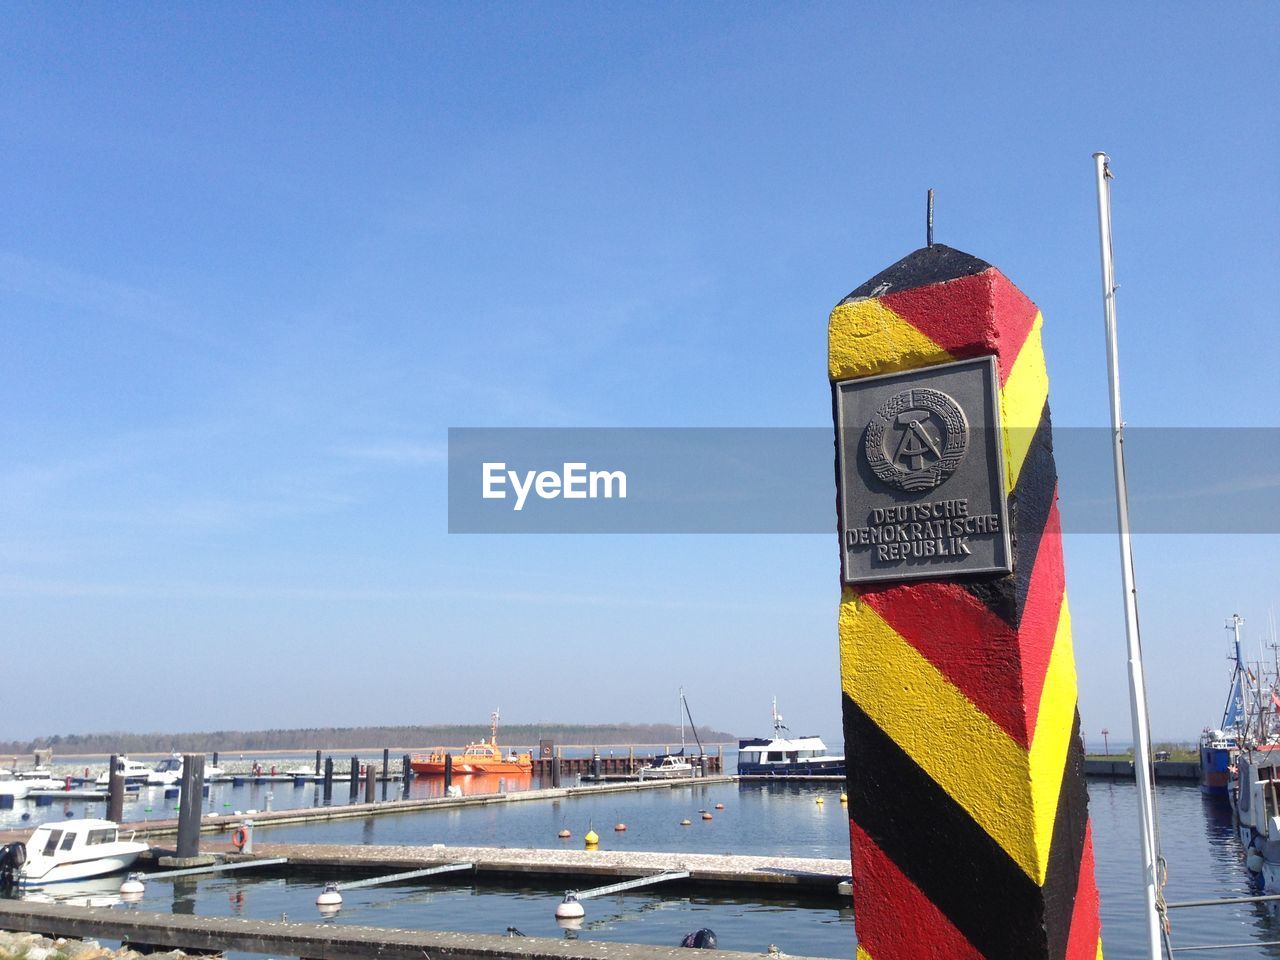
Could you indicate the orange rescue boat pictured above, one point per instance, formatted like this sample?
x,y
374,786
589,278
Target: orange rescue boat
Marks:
x,y
483,756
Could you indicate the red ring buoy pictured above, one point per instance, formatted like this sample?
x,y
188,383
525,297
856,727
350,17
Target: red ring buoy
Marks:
x,y
239,838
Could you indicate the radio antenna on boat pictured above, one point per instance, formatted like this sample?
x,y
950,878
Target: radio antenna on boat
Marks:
x,y
1137,682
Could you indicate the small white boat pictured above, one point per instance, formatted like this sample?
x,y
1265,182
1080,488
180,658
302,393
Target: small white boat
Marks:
x,y
18,789
135,771
667,766
76,850
168,772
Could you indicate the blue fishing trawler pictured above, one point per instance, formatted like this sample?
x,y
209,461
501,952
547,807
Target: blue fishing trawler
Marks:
x,y
1220,747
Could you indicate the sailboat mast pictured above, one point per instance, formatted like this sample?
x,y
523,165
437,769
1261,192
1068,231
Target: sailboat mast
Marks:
x,y
680,706
1137,680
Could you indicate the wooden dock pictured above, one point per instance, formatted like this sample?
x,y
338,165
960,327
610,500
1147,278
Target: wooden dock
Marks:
x,y
314,940
1184,771
225,823
616,766
568,868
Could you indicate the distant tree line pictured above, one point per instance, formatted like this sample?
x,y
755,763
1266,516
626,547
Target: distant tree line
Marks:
x,y
315,738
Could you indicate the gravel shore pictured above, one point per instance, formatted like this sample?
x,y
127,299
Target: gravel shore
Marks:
x,y
32,946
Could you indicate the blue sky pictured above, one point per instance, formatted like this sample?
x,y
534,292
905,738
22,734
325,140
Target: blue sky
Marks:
x,y
256,260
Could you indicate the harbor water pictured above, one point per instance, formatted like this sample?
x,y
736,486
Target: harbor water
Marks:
x,y
1205,861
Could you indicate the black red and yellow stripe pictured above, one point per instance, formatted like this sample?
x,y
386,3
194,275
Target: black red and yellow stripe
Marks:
x,y
967,803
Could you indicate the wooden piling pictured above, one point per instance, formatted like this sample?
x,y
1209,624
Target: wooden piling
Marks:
x,y
354,782
115,790
328,781
448,770
406,772
317,763
370,778
190,805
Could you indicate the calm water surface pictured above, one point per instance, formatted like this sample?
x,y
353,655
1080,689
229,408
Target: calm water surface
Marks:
x,y
1205,860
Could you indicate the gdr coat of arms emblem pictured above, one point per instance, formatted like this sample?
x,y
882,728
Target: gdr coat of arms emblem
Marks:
x,y
916,439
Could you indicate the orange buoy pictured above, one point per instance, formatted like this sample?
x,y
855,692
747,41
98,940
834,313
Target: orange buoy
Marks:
x,y
620,827
706,815
719,806
564,834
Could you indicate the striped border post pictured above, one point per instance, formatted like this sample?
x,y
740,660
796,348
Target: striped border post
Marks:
x,y
968,814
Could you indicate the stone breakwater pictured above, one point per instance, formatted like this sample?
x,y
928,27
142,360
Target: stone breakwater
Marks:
x,y
32,946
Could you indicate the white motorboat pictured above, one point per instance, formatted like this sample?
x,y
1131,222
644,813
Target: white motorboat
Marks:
x,y
76,850
18,789
135,771
667,766
783,755
168,772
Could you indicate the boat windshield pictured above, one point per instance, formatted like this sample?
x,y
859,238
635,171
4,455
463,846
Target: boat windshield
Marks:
x,y
51,847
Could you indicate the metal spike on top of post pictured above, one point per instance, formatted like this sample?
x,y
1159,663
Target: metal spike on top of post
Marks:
x,y
1147,823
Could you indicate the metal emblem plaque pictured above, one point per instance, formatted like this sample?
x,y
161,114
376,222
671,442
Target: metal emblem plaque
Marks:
x,y
920,463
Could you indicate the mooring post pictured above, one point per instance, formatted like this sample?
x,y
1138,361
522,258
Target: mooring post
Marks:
x,y
317,763
190,805
555,770
370,778
448,770
406,772
215,758
328,781
968,811
386,770
115,790
354,782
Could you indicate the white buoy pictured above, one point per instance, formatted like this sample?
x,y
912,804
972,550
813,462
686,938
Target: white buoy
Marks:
x,y
330,898
133,888
570,909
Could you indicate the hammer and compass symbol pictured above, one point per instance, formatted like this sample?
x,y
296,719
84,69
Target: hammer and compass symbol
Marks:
x,y
916,439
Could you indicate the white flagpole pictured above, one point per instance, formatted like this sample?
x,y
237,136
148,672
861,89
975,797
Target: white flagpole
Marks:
x,y
1137,682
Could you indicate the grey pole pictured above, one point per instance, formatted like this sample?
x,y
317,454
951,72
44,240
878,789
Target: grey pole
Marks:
x,y
328,781
370,777
406,773
355,778
317,763
190,805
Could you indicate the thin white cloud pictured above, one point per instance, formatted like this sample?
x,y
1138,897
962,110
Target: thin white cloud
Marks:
x,y
84,292
394,452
